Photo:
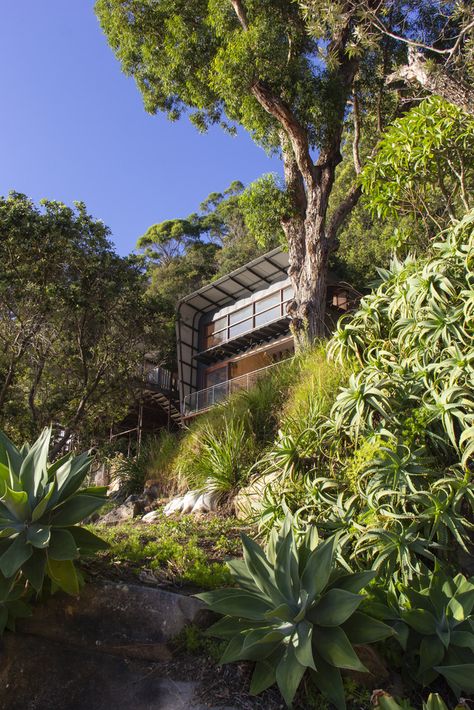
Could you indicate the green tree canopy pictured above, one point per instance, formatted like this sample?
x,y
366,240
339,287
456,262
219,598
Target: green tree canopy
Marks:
x,y
424,167
74,321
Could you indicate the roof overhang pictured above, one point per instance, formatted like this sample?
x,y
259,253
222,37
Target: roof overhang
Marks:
x,y
262,271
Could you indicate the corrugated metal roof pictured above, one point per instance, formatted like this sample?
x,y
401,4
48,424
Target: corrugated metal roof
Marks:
x,y
247,279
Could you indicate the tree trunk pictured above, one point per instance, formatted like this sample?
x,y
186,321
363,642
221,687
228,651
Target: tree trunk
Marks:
x,y
308,257
435,80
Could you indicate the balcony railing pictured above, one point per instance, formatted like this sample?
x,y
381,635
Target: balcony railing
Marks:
x,y
161,378
261,312
203,399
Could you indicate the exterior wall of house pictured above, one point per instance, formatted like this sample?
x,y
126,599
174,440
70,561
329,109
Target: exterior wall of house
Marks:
x,y
230,330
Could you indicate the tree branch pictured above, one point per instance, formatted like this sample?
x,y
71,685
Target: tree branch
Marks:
x,y
356,138
436,81
295,132
340,214
241,14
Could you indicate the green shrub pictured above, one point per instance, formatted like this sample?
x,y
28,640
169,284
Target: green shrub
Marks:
x,y
384,701
13,603
160,453
225,458
387,461
293,610
154,461
40,506
435,627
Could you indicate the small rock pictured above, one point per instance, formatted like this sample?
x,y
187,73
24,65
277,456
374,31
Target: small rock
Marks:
x,y
174,506
211,500
151,517
189,501
123,512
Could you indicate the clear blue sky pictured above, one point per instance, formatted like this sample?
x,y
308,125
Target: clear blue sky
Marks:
x,y
72,127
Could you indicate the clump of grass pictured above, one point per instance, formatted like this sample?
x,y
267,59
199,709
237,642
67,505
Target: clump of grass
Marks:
x,y
315,384
155,461
161,452
194,641
220,446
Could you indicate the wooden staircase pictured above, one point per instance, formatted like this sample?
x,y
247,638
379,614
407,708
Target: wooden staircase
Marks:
x,y
161,387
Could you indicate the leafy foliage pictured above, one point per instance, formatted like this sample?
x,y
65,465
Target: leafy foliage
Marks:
x,y
388,464
434,702
424,167
177,552
40,506
435,625
74,322
293,610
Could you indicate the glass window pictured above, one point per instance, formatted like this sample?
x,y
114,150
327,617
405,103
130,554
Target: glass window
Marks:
x,y
241,314
268,316
288,293
267,302
240,328
215,332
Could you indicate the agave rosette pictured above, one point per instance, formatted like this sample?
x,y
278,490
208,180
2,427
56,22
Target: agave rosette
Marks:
x,y
293,610
40,505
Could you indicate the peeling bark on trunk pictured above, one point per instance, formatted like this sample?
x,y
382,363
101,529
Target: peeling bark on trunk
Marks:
x,y
308,274
435,80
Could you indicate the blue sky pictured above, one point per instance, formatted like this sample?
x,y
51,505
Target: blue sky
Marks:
x,y
72,127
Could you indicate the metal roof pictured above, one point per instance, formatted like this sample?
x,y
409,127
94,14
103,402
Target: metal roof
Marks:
x,y
264,270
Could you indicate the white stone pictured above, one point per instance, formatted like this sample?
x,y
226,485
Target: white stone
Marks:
x,y
211,500
174,506
189,501
151,517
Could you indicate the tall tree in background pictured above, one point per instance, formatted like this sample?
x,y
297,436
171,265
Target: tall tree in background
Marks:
x,y
74,322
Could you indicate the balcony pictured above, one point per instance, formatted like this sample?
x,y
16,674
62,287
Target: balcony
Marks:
x,y
197,402
256,322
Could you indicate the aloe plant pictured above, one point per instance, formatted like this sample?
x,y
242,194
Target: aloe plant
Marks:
x,y
40,505
292,611
435,627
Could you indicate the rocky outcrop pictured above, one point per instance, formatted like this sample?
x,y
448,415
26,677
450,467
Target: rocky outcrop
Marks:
x,y
105,649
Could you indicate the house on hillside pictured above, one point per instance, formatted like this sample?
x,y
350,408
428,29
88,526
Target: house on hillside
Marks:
x,y
232,330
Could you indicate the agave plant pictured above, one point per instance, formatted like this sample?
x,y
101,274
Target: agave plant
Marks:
x,y
439,630
40,504
12,606
292,611
434,702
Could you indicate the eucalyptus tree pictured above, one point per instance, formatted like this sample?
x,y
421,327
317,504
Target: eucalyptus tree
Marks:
x,y
439,61
286,77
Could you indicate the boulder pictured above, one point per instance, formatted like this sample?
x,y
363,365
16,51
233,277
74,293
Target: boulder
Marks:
x,y
193,502
174,506
120,514
206,503
248,500
189,501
